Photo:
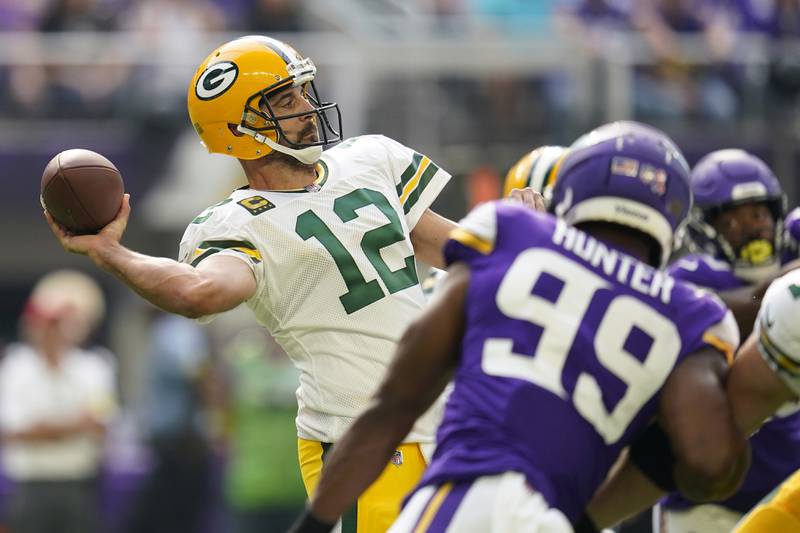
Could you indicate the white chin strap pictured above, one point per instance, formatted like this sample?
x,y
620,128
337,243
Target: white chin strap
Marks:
x,y
308,156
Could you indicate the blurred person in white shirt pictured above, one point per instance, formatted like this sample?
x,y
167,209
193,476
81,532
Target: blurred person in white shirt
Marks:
x,y
56,399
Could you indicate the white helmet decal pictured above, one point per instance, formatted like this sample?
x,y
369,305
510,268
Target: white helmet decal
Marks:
x,y
216,79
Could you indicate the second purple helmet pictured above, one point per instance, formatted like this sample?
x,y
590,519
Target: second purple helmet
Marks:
x,y
724,179
625,173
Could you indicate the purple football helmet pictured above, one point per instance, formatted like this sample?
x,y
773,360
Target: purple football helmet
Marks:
x,y
626,173
724,179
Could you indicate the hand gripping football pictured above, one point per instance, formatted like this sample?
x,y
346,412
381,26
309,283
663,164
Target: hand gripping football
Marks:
x,y
82,190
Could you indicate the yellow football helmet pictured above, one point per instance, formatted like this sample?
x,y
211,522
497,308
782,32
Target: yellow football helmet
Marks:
x,y
535,170
229,106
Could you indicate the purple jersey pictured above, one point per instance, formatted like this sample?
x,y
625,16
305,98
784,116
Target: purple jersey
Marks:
x,y
567,344
705,271
768,468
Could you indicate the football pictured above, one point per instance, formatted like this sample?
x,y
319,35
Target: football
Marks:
x,y
82,190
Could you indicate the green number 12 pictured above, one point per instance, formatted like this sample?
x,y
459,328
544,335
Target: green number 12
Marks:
x,y
360,292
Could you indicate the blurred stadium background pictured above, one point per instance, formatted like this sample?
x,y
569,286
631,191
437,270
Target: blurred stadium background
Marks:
x,y
472,83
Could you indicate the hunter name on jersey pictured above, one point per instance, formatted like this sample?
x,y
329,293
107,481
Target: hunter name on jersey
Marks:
x,y
373,191
578,370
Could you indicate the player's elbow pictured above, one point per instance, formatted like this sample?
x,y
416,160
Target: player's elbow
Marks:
x,y
713,475
197,299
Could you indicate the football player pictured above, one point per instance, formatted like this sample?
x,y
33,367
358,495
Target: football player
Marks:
x,y
321,246
563,339
764,378
737,233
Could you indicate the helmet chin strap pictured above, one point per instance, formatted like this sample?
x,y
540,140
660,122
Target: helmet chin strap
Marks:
x,y
308,155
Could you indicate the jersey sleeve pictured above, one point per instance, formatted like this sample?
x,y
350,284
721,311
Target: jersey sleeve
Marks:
x,y
704,271
778,337
210,238
475,235
705,321
417,180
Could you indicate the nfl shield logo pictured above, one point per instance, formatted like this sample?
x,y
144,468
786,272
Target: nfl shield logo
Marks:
x,y
397,458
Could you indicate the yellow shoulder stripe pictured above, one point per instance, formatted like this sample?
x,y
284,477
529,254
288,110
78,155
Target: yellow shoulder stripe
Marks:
x,y
472,241
412,183
724,347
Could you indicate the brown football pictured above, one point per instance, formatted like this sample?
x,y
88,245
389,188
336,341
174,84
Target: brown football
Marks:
x,y
82,190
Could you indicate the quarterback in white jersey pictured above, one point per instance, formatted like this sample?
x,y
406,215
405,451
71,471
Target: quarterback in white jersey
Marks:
x,y
335,271
322,247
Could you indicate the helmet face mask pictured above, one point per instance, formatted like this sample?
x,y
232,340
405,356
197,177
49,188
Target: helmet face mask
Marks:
x,y
724,181
267,120
229,101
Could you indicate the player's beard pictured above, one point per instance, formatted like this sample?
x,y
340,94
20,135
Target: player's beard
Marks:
x,y
310,131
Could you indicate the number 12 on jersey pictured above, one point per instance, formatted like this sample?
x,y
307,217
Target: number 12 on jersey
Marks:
x,y
360,292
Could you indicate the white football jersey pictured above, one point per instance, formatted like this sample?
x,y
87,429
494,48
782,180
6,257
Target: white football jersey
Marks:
x,y
335,269
777,328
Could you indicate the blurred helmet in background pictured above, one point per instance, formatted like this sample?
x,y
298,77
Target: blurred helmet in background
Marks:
x,y
535,170
722,181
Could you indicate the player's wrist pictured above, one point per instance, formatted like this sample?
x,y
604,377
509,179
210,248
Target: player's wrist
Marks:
x,y
102,251
586,524
309,523
652,454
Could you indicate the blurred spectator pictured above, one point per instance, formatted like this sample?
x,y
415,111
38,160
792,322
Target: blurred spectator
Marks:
x,y
99,87
55,401
176,495
78,15
174,30
673,86
779,21
524,17
263,485
270,16
21,16
32,92
592,19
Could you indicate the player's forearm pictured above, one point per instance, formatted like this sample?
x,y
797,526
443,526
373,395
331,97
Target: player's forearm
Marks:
x,y
429,237
625,493
172,286
754,389
357,460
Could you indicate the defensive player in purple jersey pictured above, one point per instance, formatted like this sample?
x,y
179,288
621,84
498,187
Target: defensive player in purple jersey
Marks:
x,y
563,341
764,378
739,234
736,232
